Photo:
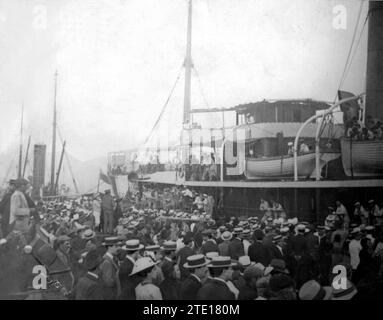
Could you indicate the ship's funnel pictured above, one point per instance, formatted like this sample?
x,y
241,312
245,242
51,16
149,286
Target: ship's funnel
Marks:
x,y
374,89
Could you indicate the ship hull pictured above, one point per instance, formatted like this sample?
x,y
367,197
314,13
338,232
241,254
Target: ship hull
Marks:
x,y
362,158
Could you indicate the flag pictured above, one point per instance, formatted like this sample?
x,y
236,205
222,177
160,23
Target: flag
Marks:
x,y
350,109
105,177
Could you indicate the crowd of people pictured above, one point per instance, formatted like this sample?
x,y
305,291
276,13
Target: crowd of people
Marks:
x,y
373,130
151,251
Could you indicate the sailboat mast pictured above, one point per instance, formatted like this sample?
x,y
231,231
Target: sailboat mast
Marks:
x,y
374,84
54,140
188,64
21,143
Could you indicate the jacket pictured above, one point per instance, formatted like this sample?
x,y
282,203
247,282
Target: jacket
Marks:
x,y
215,289
209,246
109,278
258,252
189,288
89,288
236,249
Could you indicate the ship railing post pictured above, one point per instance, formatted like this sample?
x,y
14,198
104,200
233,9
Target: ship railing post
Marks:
x,y
314,117
222,155
317,155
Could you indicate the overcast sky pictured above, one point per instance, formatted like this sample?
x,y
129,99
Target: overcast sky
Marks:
x,y
118,60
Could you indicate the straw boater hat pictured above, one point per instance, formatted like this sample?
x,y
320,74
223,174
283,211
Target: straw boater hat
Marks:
x,y
301,228
277,238
207,232
196,261
284,230
221,262
111,241
88,234
312,290
246,233
237,231
226,236
252,272
345,294
133,245
169,246
154,247
355,231
142,264
212,254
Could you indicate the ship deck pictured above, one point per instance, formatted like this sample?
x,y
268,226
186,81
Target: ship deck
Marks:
x,y
169,177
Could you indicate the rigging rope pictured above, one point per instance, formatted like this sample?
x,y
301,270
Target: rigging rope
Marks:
x,y
67,159
201,88
350,50
357,46
164,107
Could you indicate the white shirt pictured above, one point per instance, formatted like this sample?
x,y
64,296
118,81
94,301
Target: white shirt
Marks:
x,y
246,245
180,244
233,289
354,248
362,211
148,292
341,209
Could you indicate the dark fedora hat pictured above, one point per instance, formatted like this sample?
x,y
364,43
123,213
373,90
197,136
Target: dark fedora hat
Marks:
x,y
92,259
279,266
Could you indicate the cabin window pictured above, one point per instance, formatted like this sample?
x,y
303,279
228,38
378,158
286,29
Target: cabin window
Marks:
x,y
297,115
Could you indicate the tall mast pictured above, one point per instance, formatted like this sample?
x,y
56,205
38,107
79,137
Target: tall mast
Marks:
x,y
59,168
374,83
188,64
54,140
21,143
26,156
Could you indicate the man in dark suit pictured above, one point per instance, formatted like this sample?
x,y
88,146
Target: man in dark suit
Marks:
x,y
217,288
109,270
197,266
209,244
236,248
89,286
184,253
128,282
302,263
276,248
170,286
5,208
169,250
258,252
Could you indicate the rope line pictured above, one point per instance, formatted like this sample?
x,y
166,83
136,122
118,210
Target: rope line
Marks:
x,y
163,108
201,88
350,50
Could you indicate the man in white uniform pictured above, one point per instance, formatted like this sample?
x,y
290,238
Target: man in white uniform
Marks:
x,y
354,248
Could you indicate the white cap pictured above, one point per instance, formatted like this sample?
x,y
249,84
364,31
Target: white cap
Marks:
x,y
28,249
244,261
